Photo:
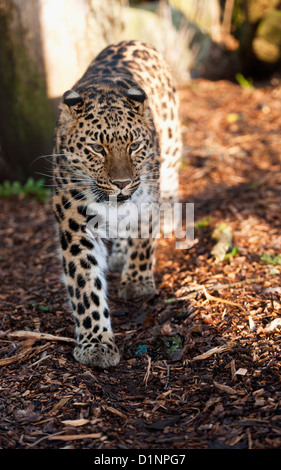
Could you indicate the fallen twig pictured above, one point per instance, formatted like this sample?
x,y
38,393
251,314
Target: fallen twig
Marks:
x,y
147,374
216,287
30,335
125,332
168,376
25,354
20,334
44,438
11,360
74,437
219,300
211,352
114,411
39,360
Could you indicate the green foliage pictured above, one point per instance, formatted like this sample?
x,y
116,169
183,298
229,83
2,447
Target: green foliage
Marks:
x,y
234,252
43,308
202,223
32,189
168,347
270,259
172,344
238,14
270,27
244,82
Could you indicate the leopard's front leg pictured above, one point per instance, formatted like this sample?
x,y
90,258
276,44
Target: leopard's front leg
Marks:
x,y
84,264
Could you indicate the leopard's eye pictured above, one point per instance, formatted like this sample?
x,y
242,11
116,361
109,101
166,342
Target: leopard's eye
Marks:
x,y
134,146
97,148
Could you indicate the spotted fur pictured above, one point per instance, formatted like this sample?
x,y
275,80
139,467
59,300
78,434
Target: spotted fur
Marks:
x,y
117,135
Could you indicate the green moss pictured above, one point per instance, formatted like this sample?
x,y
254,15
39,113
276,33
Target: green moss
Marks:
x,y
168,346
267,42
172,344
270,259
270,27
258,9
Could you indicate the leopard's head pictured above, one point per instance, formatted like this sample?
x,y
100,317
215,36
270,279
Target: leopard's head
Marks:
x,y
108,141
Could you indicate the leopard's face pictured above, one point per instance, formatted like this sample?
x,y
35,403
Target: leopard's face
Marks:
x,y
108,141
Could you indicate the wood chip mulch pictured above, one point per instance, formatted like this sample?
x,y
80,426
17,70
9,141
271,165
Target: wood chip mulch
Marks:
x,y
201,359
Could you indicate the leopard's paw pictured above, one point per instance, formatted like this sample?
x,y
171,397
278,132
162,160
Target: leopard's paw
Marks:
x,y
116,262
100,354
134,288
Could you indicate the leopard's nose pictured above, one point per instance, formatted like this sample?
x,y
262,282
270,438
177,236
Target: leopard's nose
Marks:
x,y
121,184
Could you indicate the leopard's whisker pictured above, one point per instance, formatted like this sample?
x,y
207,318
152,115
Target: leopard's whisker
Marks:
x,y
48,156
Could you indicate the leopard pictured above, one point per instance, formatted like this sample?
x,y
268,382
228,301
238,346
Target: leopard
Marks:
x,y
117,135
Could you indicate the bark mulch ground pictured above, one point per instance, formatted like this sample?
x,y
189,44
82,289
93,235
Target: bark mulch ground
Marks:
x,y
201,359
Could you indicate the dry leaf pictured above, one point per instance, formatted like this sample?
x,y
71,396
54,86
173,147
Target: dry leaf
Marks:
x,y
227,389
61,403
222,235
235,440
166,329
232,368
272,325
115,412
273,290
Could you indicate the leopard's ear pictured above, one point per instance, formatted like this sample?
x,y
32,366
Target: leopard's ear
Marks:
x,y
138,99
72,98
70,109
136,94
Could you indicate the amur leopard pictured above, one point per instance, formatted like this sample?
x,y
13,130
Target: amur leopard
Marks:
x,y
117,135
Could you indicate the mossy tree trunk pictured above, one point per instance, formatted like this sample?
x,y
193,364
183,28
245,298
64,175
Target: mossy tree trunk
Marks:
x,y
26,115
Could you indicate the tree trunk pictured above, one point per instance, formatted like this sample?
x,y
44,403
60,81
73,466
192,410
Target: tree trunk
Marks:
x,y
26,116
45,46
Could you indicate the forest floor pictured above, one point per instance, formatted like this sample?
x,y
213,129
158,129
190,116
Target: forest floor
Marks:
x,y
201,359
